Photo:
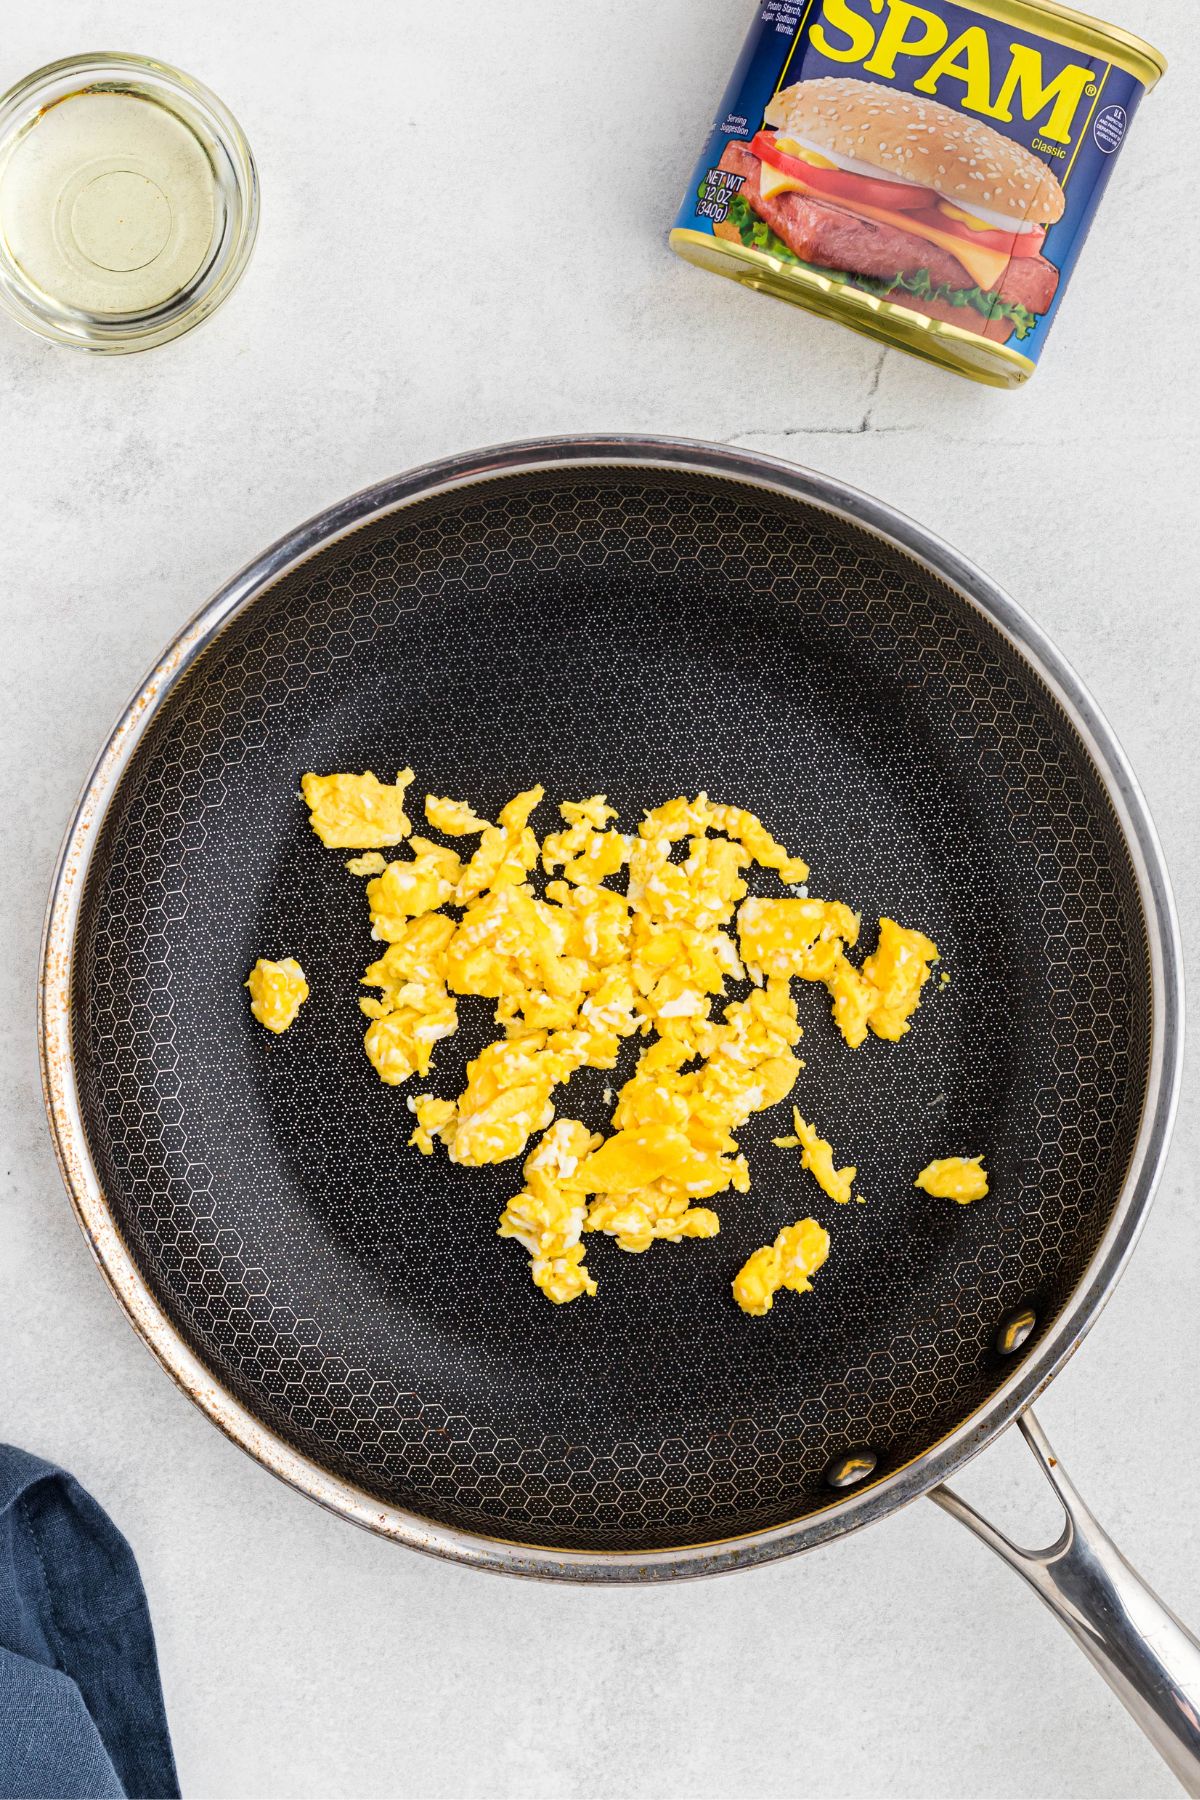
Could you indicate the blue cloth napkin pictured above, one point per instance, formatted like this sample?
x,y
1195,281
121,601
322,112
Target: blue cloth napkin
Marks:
x,y
81,1707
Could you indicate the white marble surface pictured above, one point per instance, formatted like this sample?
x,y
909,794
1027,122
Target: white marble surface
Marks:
x,y
462,242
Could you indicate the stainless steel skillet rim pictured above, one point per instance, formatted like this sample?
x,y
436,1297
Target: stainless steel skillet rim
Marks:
x,y
846,1513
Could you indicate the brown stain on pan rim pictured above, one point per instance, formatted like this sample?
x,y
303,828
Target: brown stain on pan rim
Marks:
x,y
873,1499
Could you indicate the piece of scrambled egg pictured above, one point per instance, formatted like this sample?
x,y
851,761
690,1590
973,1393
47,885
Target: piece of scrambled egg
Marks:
x,y
277,992
808,939
357,812
574,966
958,1178
797,1253
454,817
816,1155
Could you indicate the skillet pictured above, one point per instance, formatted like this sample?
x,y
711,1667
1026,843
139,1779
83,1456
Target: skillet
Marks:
x,y
645,618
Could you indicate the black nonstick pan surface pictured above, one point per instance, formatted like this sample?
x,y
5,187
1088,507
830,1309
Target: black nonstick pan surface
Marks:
x,y
643,621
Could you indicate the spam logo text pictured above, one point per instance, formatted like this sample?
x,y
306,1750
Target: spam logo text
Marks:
x,y
880,34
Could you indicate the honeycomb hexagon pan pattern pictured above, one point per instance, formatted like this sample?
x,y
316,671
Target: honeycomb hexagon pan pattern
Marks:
x,y
644,634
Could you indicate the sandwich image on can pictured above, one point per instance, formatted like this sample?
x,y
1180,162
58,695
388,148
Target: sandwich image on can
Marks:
x,y
907,199
925,172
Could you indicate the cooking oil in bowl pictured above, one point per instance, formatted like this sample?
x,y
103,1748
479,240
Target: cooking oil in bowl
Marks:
x,y
128,202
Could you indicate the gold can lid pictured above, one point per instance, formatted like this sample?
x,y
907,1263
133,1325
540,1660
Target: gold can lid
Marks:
x,y
978,358
128,202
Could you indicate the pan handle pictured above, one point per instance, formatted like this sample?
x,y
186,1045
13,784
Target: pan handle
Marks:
x,y
1149,1659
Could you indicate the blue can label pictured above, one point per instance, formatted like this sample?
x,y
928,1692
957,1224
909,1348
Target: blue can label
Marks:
x,y
934,158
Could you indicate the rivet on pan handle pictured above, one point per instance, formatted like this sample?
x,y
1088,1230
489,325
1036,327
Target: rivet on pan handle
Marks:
x,y
1149,1659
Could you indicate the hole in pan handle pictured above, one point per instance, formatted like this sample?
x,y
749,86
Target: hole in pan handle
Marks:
x,y
1149,1659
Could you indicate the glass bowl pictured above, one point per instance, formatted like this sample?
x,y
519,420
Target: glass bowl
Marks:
x,y
128,202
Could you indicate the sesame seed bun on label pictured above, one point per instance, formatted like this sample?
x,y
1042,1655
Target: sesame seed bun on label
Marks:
x,y
861,124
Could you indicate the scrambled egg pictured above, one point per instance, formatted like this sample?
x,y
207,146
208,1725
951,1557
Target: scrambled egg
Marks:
x,y
454,817
357,812
277,992
896,973
817,1157
958,1178
548,1215
573,965
808,939
797,1253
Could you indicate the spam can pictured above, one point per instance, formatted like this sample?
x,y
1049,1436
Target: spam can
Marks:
x,y
925,173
